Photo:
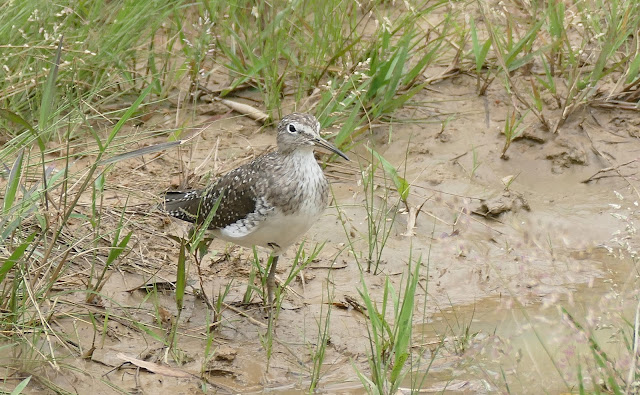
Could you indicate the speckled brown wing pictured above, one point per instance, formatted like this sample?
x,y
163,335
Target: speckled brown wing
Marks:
x,y
239,199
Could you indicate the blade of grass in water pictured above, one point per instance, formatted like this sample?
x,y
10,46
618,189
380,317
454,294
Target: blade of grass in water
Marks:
x,y
404,322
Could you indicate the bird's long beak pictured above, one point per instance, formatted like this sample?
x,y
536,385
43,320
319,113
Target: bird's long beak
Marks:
x,y
320,142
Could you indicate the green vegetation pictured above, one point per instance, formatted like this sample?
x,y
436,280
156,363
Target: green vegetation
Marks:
x,y
575,51
390,339
83,82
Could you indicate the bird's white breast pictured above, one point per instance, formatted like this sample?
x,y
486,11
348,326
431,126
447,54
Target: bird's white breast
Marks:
x,y
286,214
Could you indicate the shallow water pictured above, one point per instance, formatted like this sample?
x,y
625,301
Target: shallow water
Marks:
x,y
534,348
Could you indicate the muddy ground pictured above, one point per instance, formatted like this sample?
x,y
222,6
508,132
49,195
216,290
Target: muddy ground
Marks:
x,y
541,249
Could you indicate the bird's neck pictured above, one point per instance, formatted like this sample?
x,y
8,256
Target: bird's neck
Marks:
x,y
300,154
301,164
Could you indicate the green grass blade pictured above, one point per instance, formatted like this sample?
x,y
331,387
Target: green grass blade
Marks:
x,y
399,101
142,151
12,185
49,92
20,387
15,256
118,248
581,389
181,276
374,318
548,83
555,14
404,322
517,49
632,71
401,184
201,230
17,119
422,64
479,51
130,111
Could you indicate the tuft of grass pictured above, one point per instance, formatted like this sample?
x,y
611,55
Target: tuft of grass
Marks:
x,y
512,130
583,51
118,246
462,333
380,217
37,216
381,214
390,341
102,43
300,262
605,376
385,74
480,51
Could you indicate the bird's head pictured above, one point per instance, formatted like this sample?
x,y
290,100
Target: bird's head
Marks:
x,y
299,130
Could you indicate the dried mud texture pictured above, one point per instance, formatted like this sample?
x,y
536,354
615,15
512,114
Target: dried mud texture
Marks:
x,y
538,245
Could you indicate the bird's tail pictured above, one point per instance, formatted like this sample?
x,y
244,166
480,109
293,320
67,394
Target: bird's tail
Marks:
x,y
183,205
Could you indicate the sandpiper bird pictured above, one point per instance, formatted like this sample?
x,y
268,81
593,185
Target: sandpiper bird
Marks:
x,y
269,202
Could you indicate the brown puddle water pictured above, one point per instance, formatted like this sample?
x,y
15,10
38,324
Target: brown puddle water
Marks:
x,y
497,344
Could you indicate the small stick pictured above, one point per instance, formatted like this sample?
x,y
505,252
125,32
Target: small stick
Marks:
x,y
245,109
606,169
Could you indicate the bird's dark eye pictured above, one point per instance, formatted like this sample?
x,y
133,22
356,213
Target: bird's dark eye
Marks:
x,y
292,129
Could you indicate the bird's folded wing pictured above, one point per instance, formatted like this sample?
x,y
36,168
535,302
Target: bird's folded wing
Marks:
x,y
237,201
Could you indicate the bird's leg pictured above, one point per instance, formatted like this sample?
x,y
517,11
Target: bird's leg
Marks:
x,y
271,280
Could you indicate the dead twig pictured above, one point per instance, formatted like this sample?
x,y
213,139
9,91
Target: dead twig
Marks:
x,y
357,306
245,315
606,169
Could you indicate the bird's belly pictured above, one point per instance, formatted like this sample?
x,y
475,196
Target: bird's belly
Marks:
x,y
276,232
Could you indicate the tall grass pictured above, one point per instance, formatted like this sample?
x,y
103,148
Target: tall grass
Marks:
x,y
34,228
582,50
